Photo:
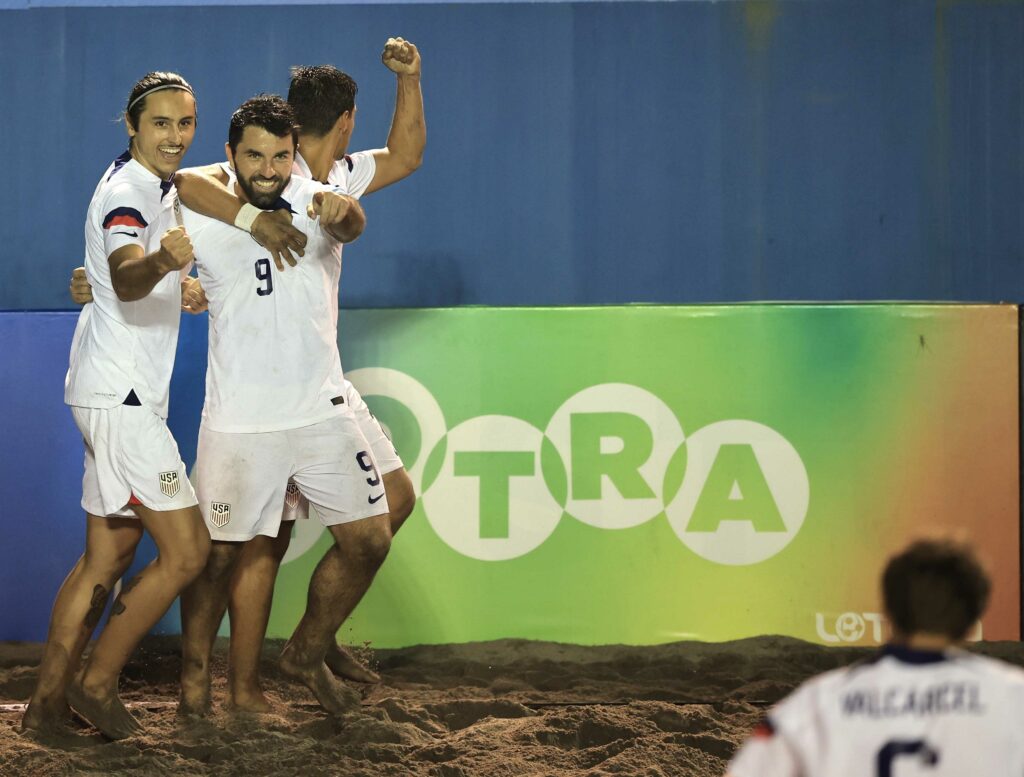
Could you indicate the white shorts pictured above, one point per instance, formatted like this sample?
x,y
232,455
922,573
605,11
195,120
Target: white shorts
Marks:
x,y
130,458
384,453
241,478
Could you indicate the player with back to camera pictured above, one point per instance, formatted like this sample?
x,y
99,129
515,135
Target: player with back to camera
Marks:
x,y
922,706
117,386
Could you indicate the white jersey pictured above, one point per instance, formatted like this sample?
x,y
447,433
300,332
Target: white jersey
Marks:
x,y
120,346
353,173
273,359
904,714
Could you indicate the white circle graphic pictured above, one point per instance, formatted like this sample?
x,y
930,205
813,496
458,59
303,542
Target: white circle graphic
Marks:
x,y
646,414
736,542
508,451
384,382
307,532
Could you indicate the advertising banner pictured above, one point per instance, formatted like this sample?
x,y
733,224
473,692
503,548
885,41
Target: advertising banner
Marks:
x,y
611,475
648,474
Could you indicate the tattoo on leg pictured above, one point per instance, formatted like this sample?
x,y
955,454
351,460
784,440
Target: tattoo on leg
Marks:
x,y
119,605
96,605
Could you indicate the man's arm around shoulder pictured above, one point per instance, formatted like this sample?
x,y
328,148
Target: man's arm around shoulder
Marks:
x,y
205,190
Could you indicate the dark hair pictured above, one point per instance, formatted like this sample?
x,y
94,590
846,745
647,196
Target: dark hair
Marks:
x,y
148,83
935,586
267,111
320,94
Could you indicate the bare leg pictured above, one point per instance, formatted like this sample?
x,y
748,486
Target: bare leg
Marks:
x,y
183,544
401,500
252,593
341,662
203,605
109,548
401,497
338,583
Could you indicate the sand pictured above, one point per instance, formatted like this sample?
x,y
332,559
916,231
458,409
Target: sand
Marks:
x,y
510,707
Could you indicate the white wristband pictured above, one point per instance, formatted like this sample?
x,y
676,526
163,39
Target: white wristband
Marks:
x,y
246,216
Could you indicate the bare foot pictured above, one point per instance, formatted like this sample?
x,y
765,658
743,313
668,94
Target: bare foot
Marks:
x,y
194,703
47,721
344,664
108,714
61,736
248,700
332,695
194,699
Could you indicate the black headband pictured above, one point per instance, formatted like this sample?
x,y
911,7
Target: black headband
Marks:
x,y
157,89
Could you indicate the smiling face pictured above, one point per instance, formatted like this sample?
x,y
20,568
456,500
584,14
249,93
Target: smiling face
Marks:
x,y
164,131
263,164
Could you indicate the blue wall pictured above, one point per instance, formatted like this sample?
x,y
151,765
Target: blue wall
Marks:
x,y
582,153
41,476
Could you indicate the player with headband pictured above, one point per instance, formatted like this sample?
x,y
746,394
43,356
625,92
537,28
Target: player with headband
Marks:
x,y
324,101
117,387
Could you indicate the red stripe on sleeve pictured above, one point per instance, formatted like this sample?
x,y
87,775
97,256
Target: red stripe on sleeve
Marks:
x,y
125,221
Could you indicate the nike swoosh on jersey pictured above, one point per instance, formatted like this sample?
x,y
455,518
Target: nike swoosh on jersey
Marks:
x,y
374,499
130,234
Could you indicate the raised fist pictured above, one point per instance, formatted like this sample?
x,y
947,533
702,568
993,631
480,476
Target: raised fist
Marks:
x,y
176,249
401,56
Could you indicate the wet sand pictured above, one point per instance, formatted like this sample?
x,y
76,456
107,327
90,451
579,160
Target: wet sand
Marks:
x,y
510,707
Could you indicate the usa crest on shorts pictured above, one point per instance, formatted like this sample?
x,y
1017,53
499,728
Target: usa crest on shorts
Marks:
x,y
220,514
292,495
169,483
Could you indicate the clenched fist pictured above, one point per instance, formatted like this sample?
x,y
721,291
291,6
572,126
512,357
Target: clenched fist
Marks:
x,y
401,56
193,298
81,291
175,249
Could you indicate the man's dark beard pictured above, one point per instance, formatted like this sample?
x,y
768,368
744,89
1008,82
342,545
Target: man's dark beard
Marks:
x,y
262,200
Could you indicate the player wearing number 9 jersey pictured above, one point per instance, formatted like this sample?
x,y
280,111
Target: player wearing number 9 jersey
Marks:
x,y
275,410
273,354
323,99
921,707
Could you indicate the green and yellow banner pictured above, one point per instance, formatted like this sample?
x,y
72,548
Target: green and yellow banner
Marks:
x,y
649,474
